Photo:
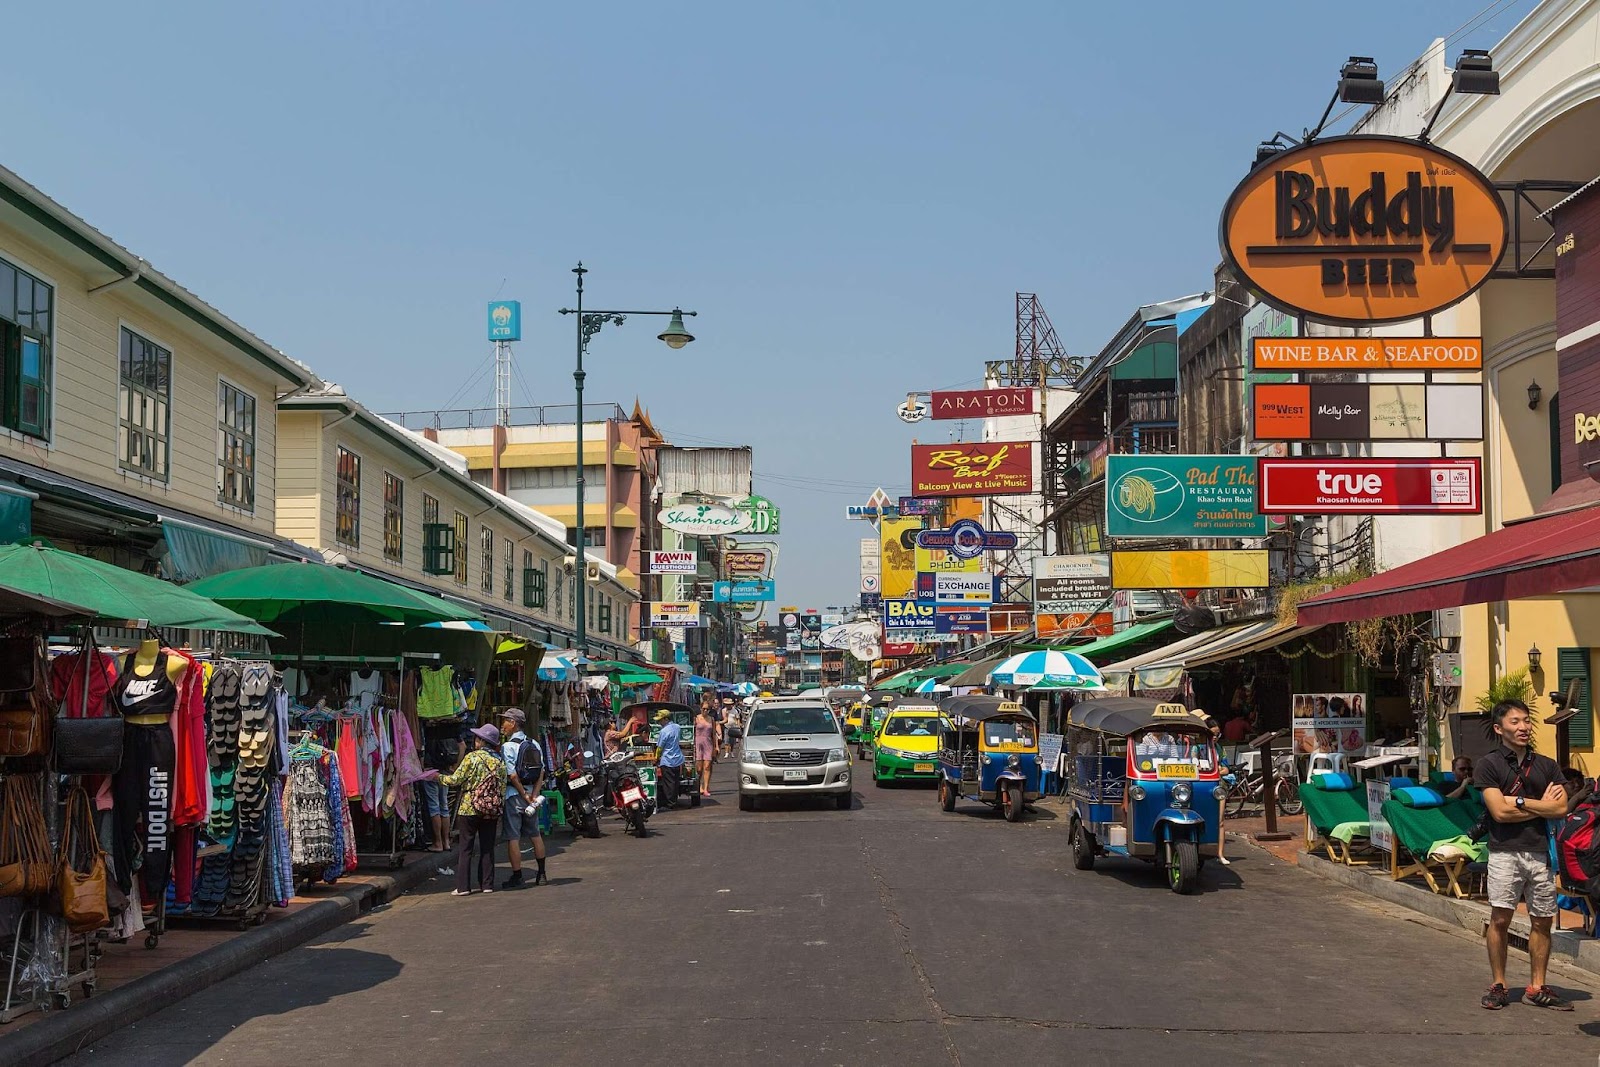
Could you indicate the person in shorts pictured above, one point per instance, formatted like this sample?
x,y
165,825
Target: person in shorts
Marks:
x,y
1521,789
519,818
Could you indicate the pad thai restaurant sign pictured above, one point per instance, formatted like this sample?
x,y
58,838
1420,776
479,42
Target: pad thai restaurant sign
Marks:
x,y
1364,229
1182,496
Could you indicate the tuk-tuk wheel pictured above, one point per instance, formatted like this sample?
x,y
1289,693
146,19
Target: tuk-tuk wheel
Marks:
x,y
1011,804
694,799
1183,866
1082,851
947,796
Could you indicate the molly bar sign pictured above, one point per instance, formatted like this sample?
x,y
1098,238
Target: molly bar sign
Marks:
x,y
1418,486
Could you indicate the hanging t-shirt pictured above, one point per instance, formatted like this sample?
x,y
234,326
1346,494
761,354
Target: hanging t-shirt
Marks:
x,y
366,687
66,684
437,698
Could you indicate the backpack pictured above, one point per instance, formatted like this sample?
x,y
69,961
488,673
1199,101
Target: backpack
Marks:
x,y
489,795
1578,850
529,763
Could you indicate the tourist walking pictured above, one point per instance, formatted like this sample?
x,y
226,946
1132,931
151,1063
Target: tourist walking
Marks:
x,y
524,788
480,784
705,747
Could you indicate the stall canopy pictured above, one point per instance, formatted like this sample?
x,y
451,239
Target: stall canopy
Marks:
x,y
1046,665
1541,556
1098,650
558,667
325,594
1166,661
624,673
112,592
977,673
909,680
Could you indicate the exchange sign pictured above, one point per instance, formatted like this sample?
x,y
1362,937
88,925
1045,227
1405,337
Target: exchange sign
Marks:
x,y
963,588
1182,496
979,468
961,621
1332,486
1364,229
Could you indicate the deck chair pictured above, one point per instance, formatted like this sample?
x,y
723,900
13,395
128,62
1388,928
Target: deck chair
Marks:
x,y
1416,832
1336,816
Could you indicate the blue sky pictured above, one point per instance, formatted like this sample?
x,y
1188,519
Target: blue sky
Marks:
x,y
848,193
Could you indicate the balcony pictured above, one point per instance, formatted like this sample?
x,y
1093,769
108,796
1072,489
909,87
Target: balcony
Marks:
x,y
1146,440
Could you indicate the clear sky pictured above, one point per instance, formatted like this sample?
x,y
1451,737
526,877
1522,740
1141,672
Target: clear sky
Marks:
x,y
849,193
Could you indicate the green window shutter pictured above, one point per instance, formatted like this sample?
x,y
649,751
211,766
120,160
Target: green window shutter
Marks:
x,y
438,548
533,594
1572,664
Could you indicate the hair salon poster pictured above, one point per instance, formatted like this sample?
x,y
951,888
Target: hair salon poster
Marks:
x,y
1329,722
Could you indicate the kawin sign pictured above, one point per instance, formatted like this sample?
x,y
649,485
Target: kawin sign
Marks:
x,y
1364,229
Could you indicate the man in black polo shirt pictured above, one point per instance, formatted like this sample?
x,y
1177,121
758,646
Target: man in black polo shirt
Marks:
x,y
1521,789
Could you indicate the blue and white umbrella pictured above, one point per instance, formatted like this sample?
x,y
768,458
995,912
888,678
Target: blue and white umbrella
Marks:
x,y
933,685
1061,668
746,689
558,667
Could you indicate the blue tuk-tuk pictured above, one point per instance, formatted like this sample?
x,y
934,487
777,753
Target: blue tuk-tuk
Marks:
x,y
988,752
1145,782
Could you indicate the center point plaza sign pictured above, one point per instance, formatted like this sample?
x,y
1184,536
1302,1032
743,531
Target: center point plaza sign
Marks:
x,y
1333,486
1182,496
977,468
1364,229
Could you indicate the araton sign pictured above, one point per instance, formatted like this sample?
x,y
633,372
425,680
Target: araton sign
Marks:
x,y
704,519
1364,229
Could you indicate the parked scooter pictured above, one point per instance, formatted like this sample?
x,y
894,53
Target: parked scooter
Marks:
x,y
579,792
625,793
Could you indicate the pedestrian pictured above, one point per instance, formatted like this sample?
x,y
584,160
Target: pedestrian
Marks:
x,y
480,784
612,738
705,740
524,796
668,743
1521,789
1239,728
733,730
1461,767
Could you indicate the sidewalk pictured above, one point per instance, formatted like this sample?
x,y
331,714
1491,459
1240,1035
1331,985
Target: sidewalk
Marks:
x,y
132,981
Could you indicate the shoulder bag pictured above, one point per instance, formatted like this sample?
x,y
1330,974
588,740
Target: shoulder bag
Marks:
x,y
82,878
89,742
24,714
27,867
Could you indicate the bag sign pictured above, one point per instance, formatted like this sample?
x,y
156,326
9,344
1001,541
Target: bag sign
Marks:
x,y
1364,229
1332,486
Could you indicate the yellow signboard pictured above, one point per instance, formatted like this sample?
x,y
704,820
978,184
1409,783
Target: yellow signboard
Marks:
x,y
1218,569
899,565
933,560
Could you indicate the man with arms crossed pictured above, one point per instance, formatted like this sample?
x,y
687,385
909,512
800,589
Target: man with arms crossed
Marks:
x,y
1521,789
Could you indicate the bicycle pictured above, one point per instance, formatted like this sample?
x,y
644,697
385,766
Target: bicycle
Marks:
x,y
1247,789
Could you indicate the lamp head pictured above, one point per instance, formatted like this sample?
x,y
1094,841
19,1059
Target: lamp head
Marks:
x,y
675,335
1359,82
1534,394
1475,74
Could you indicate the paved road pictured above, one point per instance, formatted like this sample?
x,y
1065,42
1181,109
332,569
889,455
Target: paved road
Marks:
x,y
893,933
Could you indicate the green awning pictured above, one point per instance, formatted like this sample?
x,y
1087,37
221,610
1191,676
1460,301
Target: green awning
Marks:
x,y
1153,359
195,551
908,681
322,593
1136,632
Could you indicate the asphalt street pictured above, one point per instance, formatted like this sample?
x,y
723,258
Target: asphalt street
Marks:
x,y
892,933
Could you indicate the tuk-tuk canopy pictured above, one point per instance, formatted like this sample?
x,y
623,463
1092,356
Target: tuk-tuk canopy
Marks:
x,y
679,711
974,709
1128,715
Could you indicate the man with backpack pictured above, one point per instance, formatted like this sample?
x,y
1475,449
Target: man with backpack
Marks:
x,y
1521,790
524,785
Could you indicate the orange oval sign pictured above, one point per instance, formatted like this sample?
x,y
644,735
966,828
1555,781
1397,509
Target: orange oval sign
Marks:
x,y
1364,229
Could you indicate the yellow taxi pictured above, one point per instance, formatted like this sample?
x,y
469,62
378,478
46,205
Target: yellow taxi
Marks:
x,y
906,745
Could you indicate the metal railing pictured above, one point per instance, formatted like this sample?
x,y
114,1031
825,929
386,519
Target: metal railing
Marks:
x,y
473,418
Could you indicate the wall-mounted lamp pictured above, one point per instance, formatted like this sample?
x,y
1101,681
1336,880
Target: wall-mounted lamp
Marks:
x,y
1534,656
1534,393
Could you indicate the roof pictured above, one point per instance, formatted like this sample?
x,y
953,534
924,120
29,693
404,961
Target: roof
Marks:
x,y
1137,632
69,227
1542,556
978,708
1123,715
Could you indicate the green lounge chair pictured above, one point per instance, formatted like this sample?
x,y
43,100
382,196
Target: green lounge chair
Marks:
x,y
1335,818
1416,832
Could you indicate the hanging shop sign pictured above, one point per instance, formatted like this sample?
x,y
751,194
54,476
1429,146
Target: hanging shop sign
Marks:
x,y
897,563
1333,486
961,621
1325,354
976,468
982,403
811,633
1364,229
791,640
744,591
903,617
1005,619
916,506
505,320
746,562
878,506
705,520
672,562
863,640
1328,722
913,410
871,583
763,515
1216,569
675,614
1074,624
1064,584
967,539
871,602
1182,496
1366,411
968,589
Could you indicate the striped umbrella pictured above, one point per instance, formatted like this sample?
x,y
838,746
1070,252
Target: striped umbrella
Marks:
x,y
1030,668
746,689
932,685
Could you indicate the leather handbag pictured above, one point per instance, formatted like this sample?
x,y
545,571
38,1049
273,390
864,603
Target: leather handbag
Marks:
x,y
19,665
81,881
24,713
27,866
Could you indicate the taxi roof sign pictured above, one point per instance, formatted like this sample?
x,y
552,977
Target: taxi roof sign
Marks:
x,y
1170,711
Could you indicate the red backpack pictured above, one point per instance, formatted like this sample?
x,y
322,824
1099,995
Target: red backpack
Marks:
x,y
1578,849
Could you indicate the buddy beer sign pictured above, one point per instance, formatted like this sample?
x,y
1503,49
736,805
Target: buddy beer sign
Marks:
x,y
1364,229
976,468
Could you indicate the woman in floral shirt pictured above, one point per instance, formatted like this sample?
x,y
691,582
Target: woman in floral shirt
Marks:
x,y
482,762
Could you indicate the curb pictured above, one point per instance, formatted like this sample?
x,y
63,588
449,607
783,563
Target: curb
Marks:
x,y
64,1033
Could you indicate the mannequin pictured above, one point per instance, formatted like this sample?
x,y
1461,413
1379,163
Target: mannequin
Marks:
x,y
146,694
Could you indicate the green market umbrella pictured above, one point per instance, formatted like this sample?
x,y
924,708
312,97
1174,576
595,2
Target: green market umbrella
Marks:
x,y
325,594
111,592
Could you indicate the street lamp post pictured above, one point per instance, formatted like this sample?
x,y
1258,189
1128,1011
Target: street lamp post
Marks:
x,y
589,323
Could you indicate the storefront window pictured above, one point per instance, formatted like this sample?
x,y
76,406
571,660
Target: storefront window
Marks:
x,y
236,447
486,574
462,547
144,404
510,588
347,500
394,518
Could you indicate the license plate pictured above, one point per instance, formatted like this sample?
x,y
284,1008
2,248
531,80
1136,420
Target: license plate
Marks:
x,y
631,795
796,775
579,782
922,768
1176,770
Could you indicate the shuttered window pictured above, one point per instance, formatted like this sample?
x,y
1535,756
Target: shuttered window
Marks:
x,y
1572,664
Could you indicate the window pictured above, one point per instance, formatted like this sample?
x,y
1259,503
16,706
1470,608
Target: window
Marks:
x,y
144,406
394,518
486,575
596,538
550,477
347,499
572,599
510,589
533,581
1572,666
26,350
438,540
463,527
561,583
236,447
605,615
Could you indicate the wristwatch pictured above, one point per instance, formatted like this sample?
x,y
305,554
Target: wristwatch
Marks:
x,y
1522,802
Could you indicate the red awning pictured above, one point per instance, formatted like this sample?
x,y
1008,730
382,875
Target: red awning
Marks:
x,y
1542,556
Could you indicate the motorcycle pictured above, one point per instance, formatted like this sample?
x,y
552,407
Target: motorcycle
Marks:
x,y
625,793
577,788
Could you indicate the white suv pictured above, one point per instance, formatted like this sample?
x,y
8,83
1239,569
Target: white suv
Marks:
x,y
793,747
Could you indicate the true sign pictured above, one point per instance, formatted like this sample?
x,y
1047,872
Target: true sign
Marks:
x,y
672,562
982,403
976,468
1331,486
